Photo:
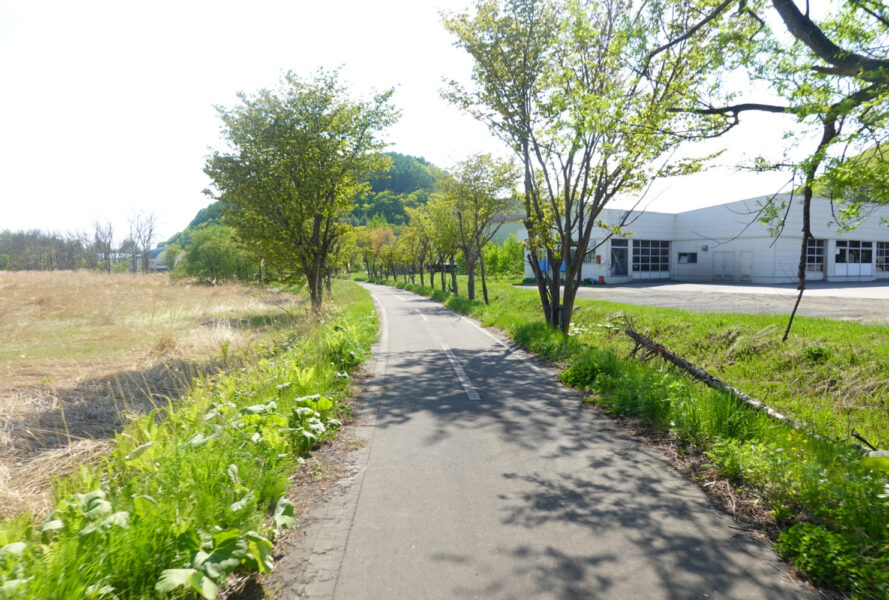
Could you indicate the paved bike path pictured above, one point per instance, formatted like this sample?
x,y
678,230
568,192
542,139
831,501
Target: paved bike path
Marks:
x,y
482,477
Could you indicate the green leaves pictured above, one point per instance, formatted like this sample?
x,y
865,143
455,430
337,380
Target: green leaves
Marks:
x,y
217,556
16,548
260,552
243,502
191,579
92,504
300,156
878,460
228,551
119,519
84,509
284,513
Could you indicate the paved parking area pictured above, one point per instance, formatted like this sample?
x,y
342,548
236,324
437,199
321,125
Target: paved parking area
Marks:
x,y
864,302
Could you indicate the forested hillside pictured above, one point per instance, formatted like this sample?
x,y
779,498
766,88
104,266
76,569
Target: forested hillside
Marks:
x,y
407,184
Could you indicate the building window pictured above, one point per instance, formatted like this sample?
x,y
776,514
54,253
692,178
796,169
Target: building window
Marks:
x,y
651,255
854,252
590,256
815,256
688,258
883,256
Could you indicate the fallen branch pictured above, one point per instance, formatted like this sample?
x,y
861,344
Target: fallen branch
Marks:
x,y
654,349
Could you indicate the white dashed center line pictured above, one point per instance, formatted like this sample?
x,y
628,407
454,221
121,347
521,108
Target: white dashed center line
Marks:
x,y
461,375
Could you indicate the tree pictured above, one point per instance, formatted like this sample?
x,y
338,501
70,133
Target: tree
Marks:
x,y
562,83
299,158
215,254
421,229
103,239
507,259
479,189
130,248
831,72
171,255
373,239
443,242
143,230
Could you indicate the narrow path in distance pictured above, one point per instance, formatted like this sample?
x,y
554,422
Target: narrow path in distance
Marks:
x,y
483,477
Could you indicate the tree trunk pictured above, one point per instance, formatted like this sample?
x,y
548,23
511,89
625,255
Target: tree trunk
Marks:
x,y
481,265
554,285
315,292
453,268
830,132
568,297
542,287
470,277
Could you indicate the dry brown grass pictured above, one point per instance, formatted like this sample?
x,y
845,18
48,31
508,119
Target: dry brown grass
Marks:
x,y
80,352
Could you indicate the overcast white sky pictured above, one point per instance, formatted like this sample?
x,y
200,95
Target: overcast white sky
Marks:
x,y
106,107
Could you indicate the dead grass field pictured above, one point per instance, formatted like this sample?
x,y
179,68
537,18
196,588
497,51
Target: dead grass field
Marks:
x,y
80,351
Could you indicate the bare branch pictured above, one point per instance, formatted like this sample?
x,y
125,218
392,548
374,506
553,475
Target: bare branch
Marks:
x,y
736,109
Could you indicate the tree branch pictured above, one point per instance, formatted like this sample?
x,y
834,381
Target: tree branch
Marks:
x,y
736,109
846,62
694,29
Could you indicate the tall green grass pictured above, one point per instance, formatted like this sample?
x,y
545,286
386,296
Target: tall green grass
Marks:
x,y
835,511
196,490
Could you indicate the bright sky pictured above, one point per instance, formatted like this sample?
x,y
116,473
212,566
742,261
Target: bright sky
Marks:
x,y
106,107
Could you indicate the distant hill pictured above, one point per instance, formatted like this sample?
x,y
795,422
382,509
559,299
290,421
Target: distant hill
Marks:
x,y
209,215
408,184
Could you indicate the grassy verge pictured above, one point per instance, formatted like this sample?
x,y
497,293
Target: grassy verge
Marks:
x,y
194,491
833,510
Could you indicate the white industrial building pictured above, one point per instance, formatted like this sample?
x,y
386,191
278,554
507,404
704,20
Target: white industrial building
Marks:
x,y
727,242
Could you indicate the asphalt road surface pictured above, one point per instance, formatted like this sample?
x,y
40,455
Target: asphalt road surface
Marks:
x,y
482,477
862,303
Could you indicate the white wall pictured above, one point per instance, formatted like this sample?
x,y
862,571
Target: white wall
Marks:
x,y
734,228
731,243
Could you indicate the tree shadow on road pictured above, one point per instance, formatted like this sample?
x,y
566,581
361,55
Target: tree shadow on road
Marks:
x,y
630,525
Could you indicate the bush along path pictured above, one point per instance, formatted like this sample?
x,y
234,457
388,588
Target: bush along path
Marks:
x,y
194,491
830,500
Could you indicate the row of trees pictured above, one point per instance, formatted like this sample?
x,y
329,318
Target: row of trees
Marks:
x,y
301,157
594,97
41,251
45,251
456,225
577,93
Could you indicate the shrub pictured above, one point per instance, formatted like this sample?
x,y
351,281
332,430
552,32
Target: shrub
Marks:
x,y
816,353
824,556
